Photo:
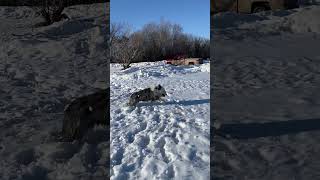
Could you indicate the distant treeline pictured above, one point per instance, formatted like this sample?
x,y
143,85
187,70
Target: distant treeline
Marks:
x,y
37,2
154,42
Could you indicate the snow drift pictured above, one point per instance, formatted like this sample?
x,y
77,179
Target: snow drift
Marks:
x,y
299,20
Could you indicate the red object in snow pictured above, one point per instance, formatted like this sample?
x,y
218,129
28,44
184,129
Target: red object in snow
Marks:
x,y
170,59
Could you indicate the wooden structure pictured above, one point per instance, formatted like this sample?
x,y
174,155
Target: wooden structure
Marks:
x,y
185,61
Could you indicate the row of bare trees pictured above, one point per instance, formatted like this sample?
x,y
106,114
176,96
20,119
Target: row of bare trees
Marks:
x,y
154,42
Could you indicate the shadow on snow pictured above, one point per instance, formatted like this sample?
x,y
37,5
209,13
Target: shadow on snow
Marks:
x,y
181,103
257,130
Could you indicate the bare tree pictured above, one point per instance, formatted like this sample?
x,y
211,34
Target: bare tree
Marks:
x,y
125,46
118,30
50,10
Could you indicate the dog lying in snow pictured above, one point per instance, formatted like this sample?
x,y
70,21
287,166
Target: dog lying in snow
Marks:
x,y
148,94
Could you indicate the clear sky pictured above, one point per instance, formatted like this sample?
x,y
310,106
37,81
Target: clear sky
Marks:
x,y
192,15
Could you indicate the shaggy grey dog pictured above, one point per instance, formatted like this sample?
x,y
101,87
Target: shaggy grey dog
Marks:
x,y
84,113
148,94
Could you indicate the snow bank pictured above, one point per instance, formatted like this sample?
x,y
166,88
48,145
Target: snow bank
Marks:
x,y
297,21
301,20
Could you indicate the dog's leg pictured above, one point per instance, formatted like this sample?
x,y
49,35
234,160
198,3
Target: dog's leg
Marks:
x,y
134,103
131,102
162,101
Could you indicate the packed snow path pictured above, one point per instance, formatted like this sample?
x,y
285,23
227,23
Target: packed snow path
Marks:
x,y
160,140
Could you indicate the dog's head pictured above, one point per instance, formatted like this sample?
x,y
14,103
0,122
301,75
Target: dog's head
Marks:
x,y
160,91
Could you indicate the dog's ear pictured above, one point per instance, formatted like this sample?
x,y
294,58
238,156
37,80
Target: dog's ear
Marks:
x,y
159,86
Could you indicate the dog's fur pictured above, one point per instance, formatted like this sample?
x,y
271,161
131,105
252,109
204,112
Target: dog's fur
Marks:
x,y
84,113
148,94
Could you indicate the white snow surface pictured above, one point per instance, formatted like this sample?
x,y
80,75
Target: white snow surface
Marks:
x,y
41,70
266,71
167,139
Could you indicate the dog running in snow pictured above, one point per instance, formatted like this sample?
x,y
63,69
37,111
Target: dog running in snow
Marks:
x,y
148,94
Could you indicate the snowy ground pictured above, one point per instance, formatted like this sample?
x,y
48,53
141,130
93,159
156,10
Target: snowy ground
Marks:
x,y
266,72
160,140
41,70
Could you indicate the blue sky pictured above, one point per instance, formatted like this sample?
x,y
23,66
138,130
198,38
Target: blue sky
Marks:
x,y
192,15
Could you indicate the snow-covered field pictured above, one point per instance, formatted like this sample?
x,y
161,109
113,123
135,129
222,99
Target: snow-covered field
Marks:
x,y
160,140
41,70
266,71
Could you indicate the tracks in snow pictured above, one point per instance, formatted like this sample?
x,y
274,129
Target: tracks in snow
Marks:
x,y
160,140
152,132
